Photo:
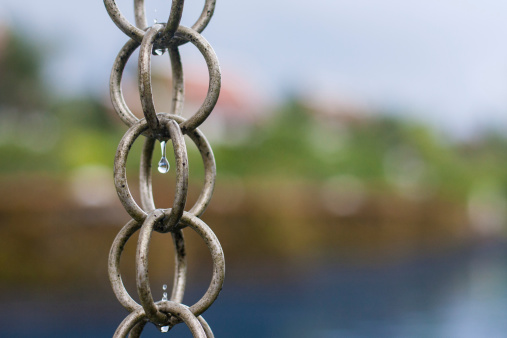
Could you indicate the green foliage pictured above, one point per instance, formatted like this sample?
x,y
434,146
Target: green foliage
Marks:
x,y
20,75
296,143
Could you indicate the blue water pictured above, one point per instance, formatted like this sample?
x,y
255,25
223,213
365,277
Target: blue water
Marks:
x,y
459,294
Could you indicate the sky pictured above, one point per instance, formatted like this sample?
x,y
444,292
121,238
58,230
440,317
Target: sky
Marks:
x,y
439,61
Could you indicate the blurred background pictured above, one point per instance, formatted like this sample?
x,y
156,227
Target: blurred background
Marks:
x,y
360,148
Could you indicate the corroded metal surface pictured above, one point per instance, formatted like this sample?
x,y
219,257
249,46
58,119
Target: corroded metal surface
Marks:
x,y
162,127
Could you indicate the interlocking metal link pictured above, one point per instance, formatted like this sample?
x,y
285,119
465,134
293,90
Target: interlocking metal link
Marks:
x,y
209,169
163,127
147,98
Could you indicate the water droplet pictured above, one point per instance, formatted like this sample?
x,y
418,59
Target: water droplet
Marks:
x,y
158,51
164,329
164,295
163,164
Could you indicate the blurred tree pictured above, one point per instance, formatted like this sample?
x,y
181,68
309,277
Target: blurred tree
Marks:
x,y
21,84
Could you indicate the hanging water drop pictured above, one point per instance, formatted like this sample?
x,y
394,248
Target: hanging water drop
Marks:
x,y
164,295
164,329
163,164
158,51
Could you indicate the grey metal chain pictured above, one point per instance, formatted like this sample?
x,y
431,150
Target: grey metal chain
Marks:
x,y
163,127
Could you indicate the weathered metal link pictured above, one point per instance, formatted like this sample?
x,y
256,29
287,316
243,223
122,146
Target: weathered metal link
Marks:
x,y
145,80
143,284
120,172
174,309
116,93
215,77
145,88
144,73
163,127
114,266
137,33
180,196
208,159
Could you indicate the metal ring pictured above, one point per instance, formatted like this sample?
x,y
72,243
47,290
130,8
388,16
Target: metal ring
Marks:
x,y
115,91
181,158
178,310
117,99
144,74
142,279
120,172
214,78
208,159
137,33
115,279
143,283
214,81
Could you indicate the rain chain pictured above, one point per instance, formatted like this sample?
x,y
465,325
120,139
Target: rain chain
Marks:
x,y
164,127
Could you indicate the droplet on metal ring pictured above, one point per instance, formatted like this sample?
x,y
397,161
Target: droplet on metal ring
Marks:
x,y
163,164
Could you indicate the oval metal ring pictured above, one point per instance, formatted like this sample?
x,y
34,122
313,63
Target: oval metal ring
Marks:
x,y
120,171
117,99
180,266
208,159
144,74
178,310
213,90
137,33
142,279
